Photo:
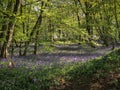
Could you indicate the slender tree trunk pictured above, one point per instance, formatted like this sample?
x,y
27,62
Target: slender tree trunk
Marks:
x,y
38,23
34,32
6,45
88,18
116,19
36,43
51,31
88,22
36,29
27,29
77,13
12,49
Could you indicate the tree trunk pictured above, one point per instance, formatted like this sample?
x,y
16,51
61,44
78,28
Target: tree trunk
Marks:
x,y
6,45
77,12
116,19
88,18
35,29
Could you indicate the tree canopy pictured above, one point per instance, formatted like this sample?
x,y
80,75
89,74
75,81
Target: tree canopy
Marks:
x,y
26,22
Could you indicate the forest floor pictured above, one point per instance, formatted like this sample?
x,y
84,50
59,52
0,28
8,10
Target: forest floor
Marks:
x,y
63,71
61,55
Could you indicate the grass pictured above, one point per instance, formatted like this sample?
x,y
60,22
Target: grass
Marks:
x,y
99,74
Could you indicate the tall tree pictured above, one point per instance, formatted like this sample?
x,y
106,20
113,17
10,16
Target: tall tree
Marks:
x,y
10,25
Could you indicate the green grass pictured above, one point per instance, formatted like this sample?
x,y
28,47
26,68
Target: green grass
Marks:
x,y
102,73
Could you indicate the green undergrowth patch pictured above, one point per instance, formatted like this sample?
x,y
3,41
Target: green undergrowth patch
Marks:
x,y
26,79
99,74
102,73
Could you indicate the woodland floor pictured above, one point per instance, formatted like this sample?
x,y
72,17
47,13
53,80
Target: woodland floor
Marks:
x,y
60,55
104,78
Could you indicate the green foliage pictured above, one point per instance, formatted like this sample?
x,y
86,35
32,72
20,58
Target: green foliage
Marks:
x,y
46,77
22,79
74,19
101,66
4,64
19,36
47,47
104,68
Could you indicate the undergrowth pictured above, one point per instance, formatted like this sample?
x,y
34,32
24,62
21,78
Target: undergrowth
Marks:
x,y
99,74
